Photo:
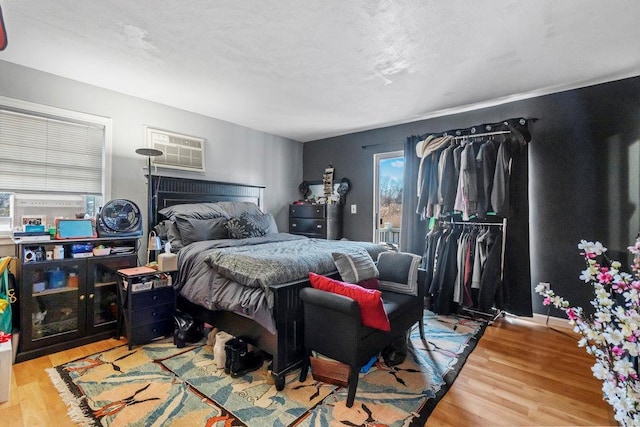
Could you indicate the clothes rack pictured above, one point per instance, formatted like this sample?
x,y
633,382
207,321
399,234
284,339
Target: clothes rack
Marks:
x,y
471,312
481,135
520,125
464,180
471,222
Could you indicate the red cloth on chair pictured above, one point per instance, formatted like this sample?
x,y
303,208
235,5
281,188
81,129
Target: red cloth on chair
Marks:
x,y
371,307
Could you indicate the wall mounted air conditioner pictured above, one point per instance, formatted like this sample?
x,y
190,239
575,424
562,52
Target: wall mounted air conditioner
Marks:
x,y
179,151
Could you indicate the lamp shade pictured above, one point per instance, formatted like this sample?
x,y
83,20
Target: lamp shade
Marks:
x,y
151,152
155,244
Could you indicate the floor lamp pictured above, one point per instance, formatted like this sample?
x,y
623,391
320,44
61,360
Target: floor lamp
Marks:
x,y
149,153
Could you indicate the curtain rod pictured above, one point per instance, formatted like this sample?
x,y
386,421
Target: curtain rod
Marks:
x,y
444,222
487,127
364,147
500,132
456,133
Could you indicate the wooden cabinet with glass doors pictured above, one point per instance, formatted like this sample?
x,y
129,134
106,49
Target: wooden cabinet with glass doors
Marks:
x,y
69,301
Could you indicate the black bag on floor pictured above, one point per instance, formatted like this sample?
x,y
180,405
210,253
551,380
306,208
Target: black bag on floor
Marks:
x,y
187,329
395,353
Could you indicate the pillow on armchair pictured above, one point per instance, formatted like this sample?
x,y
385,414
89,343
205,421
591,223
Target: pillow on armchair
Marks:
x,y
357,268
371,307
399,272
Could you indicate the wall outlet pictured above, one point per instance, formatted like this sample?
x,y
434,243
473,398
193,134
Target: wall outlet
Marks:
x,y
547,285
354,209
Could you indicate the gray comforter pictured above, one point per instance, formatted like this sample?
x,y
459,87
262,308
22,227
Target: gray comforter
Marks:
x,y
236,275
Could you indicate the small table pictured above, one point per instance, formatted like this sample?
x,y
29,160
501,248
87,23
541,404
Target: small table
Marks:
x,y
146,304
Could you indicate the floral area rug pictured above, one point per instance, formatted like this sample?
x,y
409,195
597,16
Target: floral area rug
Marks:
x,y
159,384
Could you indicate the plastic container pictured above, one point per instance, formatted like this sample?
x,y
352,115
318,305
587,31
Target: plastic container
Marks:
x,y
72,280
58,252
57,279
101,251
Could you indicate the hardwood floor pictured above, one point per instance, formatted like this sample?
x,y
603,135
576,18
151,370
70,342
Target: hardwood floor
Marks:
x,y
524,374
520,374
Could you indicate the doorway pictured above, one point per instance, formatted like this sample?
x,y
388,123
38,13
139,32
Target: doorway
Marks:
x,y
387,200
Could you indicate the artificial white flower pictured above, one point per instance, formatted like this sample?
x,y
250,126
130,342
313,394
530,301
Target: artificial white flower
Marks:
x,y
603,317
599,371
627,328
632,348
623,367
586,276
612,333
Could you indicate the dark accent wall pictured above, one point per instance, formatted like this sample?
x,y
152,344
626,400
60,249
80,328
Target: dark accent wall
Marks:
x,y
583,175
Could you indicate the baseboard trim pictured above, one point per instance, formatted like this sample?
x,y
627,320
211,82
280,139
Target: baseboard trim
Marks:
x,y
555,322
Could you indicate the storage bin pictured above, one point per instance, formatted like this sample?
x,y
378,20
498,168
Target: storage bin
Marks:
x,y
330,371
6,356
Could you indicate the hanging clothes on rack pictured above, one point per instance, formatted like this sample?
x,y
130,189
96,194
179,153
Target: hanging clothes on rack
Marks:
x,y
464,178
490,294
463,262
429,151
469,172
444,271
447,179
486,163
466,200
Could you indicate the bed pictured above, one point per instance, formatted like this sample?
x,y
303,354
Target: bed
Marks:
x,y
246,285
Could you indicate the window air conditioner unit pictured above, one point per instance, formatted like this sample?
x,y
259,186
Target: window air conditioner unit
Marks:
x,y
48,201
179,151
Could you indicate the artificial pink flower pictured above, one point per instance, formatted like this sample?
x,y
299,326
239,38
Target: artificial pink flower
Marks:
x,y
571,313
605,277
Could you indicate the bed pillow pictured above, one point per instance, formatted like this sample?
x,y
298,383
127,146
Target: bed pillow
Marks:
x,y
194,210
399,272
371,307
273,227
195,230
162,228
262,221
243,227
173,236
234,209
355,267
168,232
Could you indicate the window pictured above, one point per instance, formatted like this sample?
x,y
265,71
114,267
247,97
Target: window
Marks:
x,y
5,213
388,182
59,154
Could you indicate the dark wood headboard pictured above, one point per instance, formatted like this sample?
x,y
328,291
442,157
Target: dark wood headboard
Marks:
x,y
169,191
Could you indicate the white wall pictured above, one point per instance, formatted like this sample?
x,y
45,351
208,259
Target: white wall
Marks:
x,y
233,153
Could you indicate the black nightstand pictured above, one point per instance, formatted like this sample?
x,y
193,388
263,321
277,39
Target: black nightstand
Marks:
x,y
146,302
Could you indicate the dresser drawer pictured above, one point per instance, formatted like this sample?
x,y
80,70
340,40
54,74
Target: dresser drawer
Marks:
x,y
145,333
306,211
308,227
152,297
152,314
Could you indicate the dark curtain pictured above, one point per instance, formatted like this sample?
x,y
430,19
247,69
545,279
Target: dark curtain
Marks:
x,y
413,230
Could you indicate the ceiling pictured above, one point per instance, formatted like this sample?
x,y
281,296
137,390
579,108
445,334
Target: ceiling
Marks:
x,y
307,70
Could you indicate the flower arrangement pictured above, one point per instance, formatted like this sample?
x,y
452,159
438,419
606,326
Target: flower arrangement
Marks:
x,y
612,333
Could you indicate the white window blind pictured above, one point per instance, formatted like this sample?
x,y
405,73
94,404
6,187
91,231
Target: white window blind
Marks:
x,y
44,154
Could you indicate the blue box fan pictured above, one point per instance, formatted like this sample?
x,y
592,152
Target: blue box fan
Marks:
x,y
119,218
